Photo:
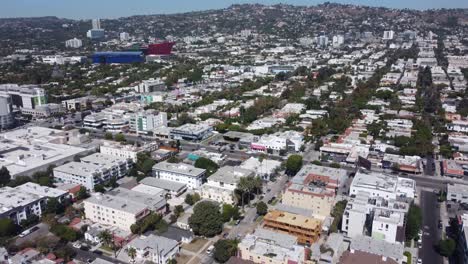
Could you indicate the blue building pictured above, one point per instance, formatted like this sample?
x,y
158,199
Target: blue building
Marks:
x,y
118,57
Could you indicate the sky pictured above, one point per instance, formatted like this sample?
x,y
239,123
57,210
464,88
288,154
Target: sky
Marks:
x,y
85,9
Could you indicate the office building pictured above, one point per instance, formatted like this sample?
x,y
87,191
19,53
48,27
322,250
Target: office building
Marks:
x,y
305,228
109,57
96,23
114,211
150,86
179,172
338,40
24,96
29,150
155,249
95,34
6,112
266,246
23,201
191,132
147,120
314,188
221,185
73,43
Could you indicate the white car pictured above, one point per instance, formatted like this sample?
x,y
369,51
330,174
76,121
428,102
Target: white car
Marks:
x,y
77,245
209,250
419,261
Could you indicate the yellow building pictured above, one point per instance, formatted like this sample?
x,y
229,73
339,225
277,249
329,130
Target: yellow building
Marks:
x,y
305,229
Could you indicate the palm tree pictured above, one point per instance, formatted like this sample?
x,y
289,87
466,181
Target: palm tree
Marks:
x,y
258,184
106,237
132,253
243,186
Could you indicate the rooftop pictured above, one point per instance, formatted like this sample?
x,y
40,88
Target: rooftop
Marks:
x,y
293,219
154,244
117,203
180,168
230,174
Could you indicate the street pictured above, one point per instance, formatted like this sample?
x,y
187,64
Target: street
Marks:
x,y
431,234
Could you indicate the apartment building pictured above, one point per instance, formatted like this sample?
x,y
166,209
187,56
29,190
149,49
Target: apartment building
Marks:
x,y
410,164
116,149
155,249
457,193
117,166
381,217
145,121
314,188
180,172
266,246
305,228
114,210
221,185
21,202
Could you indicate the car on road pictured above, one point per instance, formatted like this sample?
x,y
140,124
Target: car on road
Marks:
x,y
28,231
210,249
439,224
419,261
97,252
77,245
225,235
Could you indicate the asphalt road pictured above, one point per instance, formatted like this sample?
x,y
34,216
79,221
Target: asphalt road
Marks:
x,y
34,236
248,224
431,233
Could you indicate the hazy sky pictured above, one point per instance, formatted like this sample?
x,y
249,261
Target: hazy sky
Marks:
x,y
119,8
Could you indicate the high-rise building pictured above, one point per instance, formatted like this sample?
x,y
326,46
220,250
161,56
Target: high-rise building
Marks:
x,y
6,112
95,33
338,40
96,23
73,43
25,96
389,35
124,36
322,41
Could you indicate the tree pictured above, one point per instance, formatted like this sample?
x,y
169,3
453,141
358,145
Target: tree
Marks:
x,y
108,136
337,214
54,206
293,164
262,208
192,199
414,221
230,212
106,237
206,219
178,210
99,188
120,138
132,253
82,193
7,227
5,176
446,247
224,250
207,164
64,232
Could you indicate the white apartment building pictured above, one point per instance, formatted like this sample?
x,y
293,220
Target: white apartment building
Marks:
x,y
383,185
265,246
150,85
20,202
116,149
117,166
74,43
114,210
221,185
145,121
457,193
179,172
458,126
156,249
381,217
